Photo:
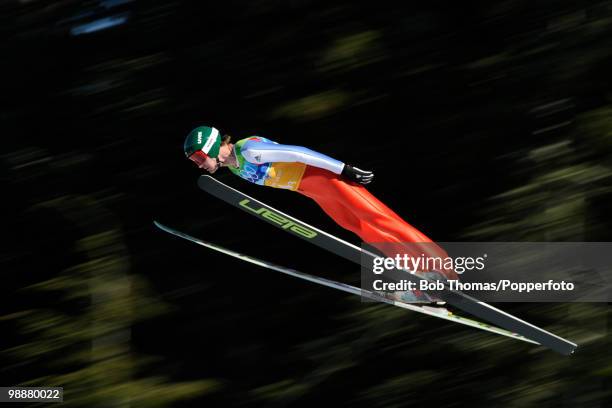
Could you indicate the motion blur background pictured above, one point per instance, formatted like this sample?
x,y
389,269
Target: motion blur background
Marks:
x,y
482,120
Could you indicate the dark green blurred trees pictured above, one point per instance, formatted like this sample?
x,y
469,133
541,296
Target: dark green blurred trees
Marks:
x,y
496,114
75,328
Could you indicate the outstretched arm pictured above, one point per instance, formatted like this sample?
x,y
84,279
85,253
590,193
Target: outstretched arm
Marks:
x,y
265,152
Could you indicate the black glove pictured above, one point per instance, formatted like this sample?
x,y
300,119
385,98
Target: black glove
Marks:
x,y
357,175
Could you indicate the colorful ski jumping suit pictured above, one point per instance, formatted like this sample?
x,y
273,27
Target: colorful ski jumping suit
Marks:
x,y
315,175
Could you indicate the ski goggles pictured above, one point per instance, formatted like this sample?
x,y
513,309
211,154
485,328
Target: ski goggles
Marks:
x,y
199,157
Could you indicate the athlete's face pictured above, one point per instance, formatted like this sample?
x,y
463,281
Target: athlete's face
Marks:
x,y
210,165
204,161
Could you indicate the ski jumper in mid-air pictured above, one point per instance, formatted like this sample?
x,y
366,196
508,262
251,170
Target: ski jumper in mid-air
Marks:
x,y
336,187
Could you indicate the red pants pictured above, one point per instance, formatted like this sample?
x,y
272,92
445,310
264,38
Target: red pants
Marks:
x,y
356,210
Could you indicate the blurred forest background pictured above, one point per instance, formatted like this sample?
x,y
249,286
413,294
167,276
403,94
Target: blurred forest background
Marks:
x,y
482,120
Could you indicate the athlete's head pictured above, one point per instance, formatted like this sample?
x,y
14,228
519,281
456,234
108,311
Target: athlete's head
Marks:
x,y
206,148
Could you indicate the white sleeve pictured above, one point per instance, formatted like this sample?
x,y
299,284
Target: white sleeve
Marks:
x,y
259,152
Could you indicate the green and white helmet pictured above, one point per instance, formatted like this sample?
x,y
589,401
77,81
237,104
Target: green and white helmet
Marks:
x,y
205,139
